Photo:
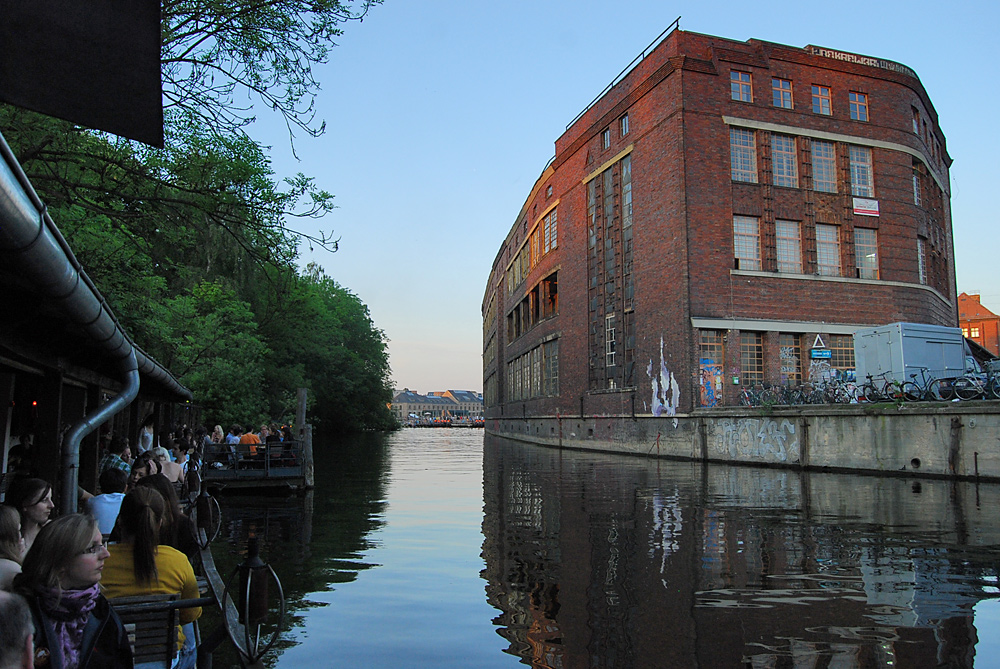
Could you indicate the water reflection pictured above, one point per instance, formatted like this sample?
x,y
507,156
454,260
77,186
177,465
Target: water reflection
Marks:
x,y
616,561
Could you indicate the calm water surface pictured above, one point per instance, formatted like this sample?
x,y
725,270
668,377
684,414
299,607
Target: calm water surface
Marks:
x,y
429,548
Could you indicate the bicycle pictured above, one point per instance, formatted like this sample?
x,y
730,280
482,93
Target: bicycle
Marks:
x,y
927,389
890,390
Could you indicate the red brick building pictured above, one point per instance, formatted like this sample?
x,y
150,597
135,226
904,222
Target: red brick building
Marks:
x,y
726,213
979,323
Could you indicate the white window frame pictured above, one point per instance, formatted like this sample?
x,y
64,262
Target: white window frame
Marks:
x,y
825,165
788,240
862,179
609,340
746,242
743,158
828,250
922,261
784,161
866,253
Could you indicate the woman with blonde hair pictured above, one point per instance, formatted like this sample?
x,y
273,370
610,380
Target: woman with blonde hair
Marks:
x,y
75,627
141,565
11,545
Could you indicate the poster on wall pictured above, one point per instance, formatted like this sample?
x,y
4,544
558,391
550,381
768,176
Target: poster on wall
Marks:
x,y
711,382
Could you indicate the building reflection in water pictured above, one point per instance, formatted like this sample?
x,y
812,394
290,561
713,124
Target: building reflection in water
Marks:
x,y
620,561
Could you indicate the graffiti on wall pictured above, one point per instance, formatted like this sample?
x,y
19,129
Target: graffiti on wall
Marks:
x,y
711,382
820,370
666,391
764,439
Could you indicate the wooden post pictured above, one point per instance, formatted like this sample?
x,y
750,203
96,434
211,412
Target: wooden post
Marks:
x,y
308,466
305,441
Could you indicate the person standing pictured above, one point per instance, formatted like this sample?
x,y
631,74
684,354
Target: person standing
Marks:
x,y
104,507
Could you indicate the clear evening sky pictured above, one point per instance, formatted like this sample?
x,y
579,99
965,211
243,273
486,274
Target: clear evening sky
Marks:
x,y
442,113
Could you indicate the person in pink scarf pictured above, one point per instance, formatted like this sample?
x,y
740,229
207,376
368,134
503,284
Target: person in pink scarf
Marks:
x,y
75,627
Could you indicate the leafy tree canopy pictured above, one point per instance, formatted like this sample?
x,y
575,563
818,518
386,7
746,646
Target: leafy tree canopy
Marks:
x,y
195,245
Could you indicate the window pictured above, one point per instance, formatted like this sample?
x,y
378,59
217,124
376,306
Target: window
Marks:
x,y
974,331
626,191
965,332
824,162
712,359
821,100
739,86
862,184
746,242
606,138
743,147
841,351
549,225
916,120
548,191
790,352
752,357
781,93
623,125
866,253
859,106
916,187
550,367
789,247
827,249
784,161
922,260
609,340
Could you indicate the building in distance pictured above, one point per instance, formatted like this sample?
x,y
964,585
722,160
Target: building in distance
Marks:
x,y
409,406
979,323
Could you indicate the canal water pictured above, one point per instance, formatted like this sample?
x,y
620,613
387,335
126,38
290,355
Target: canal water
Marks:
x,y
435,548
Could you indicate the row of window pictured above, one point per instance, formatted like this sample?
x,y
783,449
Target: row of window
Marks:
x,y
792,368
539,303
741,90
534,374
785,162
788,244
971,331
543,239
622,131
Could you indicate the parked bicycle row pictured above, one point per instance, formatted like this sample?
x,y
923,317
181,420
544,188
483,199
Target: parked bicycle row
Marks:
x,y
875,389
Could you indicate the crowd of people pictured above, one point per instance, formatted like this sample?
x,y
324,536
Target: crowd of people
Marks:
x,y
132,538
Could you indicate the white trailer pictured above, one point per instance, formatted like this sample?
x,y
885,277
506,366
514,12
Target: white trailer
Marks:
x,y
901,349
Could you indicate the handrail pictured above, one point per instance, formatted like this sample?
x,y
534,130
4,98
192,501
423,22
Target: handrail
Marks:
x,y
624,73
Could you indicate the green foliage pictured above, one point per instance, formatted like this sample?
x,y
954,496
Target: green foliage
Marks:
x,y
194,244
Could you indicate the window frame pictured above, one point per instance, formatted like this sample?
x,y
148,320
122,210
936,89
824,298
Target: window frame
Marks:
x,y
824,164
780,95
819,97
862,172
741,243
866,253
751,358
743,155
740,89
787,245
828,249
606,138
922,261
857,102
623,125
784,162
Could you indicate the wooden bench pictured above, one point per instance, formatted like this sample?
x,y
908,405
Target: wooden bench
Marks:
x,y
151,623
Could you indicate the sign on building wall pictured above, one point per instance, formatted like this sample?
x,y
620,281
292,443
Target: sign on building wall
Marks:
x,y
865,207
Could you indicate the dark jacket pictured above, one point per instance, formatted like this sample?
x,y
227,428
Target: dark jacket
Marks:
x,y
105,642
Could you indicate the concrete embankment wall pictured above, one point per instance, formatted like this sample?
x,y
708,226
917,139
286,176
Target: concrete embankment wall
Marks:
x,y
960,440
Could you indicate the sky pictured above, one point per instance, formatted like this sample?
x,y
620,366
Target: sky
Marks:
x,y
441,114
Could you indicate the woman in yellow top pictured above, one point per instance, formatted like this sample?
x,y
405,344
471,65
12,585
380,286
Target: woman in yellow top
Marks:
x,y
139,565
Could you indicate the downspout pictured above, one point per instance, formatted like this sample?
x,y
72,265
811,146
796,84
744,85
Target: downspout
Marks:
x,y
86,425
33,242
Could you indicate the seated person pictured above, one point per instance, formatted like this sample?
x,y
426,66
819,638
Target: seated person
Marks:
x,y
173,471
104,507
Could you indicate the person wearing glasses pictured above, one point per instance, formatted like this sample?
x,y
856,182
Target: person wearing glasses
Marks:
x,y
75,627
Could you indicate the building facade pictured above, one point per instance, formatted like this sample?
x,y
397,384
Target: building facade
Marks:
x,y
409,406
725,214
979,323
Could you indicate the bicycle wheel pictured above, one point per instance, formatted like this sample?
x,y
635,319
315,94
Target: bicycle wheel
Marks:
x,y
746,399
993,388
967,388
912,392
869,393
941,390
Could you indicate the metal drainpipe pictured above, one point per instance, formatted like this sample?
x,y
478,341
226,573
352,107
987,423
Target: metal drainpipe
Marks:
x,y
86,425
